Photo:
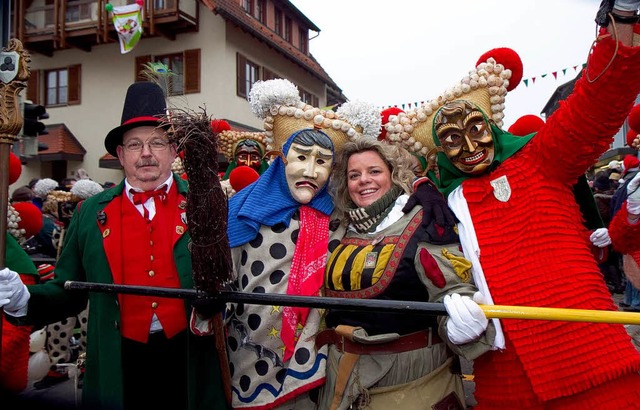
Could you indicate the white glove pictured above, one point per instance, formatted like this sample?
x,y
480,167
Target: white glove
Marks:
x,y
633,195
467,322
626,5
600,238
14,295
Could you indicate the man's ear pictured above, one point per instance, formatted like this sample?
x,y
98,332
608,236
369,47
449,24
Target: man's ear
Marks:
x,y
120,152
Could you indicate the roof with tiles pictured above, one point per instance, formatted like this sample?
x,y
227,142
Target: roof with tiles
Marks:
x,y
232,11
61,145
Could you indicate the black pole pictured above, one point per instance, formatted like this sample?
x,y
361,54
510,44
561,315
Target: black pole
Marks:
x,y
396,306
5,13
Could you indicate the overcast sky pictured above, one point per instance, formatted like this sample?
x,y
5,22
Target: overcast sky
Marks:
x,y
406,51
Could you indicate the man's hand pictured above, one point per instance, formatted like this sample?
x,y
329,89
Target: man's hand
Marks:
x,y
14,295
207,307
626,5
600,238
467,322
619,7
633,195
434,206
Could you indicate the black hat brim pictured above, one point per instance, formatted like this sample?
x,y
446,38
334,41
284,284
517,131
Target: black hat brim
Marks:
x,y
114,137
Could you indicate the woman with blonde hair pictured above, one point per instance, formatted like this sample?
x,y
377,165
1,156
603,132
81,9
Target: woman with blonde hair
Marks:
x,y
376,359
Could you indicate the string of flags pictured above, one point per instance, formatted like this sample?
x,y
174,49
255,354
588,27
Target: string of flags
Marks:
x,y
532,80
527,82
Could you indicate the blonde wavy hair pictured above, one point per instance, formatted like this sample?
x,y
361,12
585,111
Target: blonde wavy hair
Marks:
x,y
398,161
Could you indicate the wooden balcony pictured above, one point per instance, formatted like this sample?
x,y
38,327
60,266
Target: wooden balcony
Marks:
x,y
45,26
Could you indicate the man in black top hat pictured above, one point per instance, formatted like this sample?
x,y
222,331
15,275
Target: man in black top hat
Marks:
x,y
140,353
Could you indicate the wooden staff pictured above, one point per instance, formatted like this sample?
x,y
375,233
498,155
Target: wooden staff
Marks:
x,y
371,305
206,212
13,79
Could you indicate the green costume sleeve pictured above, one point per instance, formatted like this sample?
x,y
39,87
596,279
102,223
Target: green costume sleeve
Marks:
x,y
17,259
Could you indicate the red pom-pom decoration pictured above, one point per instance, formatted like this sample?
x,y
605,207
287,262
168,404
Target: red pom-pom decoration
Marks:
x,y
30,218
242,176
630,161
634,118
220,125
631,135
184,176
510,60
526,125
15,168
385,114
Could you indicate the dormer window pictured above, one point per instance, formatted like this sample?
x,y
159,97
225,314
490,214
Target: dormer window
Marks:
x,y
261,11
288,29
303,38
247,5
278,21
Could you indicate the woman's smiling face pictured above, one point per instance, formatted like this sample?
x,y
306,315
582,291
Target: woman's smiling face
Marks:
x,y
368,178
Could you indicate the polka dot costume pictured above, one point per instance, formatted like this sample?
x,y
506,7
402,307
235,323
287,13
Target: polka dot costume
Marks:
x,y
259,375
59,338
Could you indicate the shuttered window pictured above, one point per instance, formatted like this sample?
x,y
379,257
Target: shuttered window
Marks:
x,y
185,66
248,73
74,85
268,74
33,87
241,84
192,71
55,87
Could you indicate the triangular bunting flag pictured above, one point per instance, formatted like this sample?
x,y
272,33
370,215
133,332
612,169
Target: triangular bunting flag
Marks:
x,y
555,75
564,71
543,75
526,82
533,80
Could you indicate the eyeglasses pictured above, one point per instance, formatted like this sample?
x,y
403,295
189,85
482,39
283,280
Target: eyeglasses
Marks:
x,y
154,145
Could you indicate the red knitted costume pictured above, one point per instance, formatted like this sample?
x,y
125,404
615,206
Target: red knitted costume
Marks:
x,y
533,253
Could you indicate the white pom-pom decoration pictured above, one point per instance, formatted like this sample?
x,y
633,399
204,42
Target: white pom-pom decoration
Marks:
x,y
44,186
265,94
38,367
86,188
362,114
37,340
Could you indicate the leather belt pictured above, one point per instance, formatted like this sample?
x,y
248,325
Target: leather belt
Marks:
x,y
405,343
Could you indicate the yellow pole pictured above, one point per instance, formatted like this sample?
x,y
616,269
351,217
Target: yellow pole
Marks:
x,y
567,315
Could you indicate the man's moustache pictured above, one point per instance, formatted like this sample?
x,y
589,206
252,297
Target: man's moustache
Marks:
x,y
147,164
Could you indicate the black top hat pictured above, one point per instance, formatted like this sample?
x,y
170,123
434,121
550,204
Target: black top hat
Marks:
x,y
143,105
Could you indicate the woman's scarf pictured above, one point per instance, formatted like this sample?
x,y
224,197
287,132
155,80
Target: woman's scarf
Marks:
x,y
365,219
